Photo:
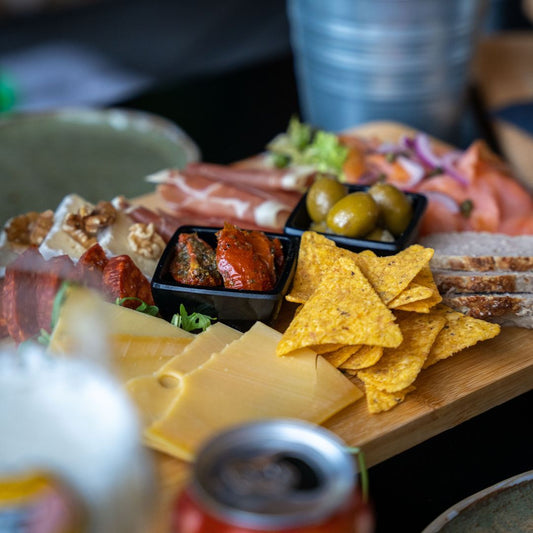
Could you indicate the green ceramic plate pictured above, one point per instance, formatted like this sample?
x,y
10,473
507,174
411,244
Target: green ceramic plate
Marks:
x,y
96,153
506,506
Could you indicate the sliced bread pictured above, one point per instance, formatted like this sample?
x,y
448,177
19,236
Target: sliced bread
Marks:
x,y
462,281
507,309
480,251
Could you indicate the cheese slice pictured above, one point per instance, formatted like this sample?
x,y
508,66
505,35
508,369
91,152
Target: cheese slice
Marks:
x,y
140,355
154,394
214,339
81,303
57,241
125,321
151,396
247,381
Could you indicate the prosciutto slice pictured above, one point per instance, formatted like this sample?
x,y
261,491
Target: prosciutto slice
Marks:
x,y
268,178
249,206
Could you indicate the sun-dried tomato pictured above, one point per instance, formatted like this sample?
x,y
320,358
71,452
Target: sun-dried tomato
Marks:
x,y
195,262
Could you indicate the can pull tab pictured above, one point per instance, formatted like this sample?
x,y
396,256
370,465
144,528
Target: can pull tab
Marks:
x,y
268,474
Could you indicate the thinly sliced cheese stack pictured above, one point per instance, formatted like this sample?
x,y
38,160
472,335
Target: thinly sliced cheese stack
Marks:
x,y
242,382
155,393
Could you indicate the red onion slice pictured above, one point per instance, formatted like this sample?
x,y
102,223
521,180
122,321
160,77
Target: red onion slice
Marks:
x,y
447,201
415,170
422,148
449,161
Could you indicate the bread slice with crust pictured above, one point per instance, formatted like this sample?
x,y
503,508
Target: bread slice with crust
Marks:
x,y
506,309
463,281
480,251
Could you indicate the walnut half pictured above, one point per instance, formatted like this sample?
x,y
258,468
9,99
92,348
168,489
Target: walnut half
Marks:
x,y
84,225
29,229
143,239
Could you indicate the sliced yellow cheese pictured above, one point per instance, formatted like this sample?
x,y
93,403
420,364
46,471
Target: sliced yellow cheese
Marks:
x,y
247,381
151,396
214,339
81,303
140,355
122,320
154,394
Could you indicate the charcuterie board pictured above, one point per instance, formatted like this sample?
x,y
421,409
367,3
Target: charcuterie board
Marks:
x,y
447,394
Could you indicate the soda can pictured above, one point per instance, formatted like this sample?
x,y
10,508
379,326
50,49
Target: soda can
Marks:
x,y
278,475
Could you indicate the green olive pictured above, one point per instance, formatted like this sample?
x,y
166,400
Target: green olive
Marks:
x,y
321,197
380,234
355,215
394,207
320,226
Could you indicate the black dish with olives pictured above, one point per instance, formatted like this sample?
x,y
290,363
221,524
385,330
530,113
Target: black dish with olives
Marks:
x,y
379,217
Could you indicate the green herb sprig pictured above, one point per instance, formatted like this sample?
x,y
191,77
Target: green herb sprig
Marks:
x,y
191,322
143,307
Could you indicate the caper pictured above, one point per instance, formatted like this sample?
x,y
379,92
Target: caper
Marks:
x,y
321,197
354,215
395,209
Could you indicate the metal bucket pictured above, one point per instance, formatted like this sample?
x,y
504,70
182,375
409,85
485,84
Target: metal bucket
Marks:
x,y
403,60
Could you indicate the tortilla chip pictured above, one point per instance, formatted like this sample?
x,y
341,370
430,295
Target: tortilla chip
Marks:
x,y
459,332
378,400
413,293
314,258
340,355
399,367
322,349
390,275
416,307
344,309
364,357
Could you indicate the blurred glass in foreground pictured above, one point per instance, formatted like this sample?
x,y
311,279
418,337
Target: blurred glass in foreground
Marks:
x,y
400,60
71,459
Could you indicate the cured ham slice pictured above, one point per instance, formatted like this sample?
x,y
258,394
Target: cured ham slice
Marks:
x,y
208,197
268,178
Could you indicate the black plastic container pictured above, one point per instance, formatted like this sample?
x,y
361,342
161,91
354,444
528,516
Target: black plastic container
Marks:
x,y
237,308
299,221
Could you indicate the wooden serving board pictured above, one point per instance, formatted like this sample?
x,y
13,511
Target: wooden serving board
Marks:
x,y
447,394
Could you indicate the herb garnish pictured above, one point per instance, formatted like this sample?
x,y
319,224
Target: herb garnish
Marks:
x,y
192,322
143,307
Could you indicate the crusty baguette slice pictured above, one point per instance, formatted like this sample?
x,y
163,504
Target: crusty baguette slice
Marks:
x,y
506,309
460,281
480,251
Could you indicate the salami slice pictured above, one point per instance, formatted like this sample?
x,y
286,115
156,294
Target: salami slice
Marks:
x,y
19,295
3,323
52,274
122,278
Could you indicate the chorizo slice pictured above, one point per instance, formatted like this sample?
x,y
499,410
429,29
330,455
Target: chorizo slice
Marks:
x,y
122,278
90,267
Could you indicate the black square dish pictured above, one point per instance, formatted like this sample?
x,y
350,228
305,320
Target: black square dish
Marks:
x,y
237,308
299,222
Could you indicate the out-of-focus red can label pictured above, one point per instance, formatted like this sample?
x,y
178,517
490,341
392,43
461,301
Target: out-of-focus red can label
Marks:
x,y
279,476
189,517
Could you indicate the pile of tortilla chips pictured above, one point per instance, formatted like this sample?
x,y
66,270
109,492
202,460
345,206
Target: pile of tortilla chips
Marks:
x,y
377,318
